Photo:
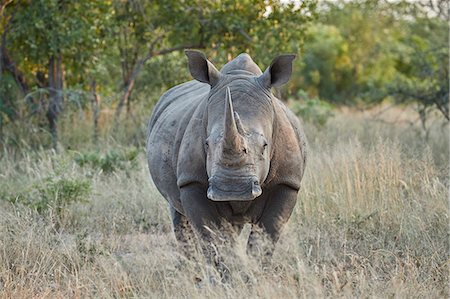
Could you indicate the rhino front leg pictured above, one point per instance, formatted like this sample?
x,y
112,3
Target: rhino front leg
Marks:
x,y
183,233
206,222
266,232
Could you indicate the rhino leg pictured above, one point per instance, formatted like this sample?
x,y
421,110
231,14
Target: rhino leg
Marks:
x,y
266,232
205,220
183,232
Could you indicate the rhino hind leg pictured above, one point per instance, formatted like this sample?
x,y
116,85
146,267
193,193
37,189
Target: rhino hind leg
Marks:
x,y
183,233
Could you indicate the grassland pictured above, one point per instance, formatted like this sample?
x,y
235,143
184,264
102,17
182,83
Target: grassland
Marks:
x,y
371,222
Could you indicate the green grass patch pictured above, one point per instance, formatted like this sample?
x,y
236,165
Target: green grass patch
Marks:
x,y
108,162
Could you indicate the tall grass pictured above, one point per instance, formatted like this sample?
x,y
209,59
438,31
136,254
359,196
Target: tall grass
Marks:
x,y
371,221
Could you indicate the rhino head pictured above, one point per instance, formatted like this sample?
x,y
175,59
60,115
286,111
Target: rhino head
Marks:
x,y
239,123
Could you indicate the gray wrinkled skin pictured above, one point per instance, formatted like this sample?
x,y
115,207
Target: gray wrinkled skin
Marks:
x,y
224,151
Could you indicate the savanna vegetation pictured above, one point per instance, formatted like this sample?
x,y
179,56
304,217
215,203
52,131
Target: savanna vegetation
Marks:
x,y
79,216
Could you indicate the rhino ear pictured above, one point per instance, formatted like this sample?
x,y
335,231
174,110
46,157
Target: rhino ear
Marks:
x,y
279,72
201,68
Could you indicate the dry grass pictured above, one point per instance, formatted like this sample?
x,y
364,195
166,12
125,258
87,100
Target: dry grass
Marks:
x,y
371,221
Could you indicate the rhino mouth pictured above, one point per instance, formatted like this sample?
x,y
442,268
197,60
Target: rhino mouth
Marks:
x,y
233,189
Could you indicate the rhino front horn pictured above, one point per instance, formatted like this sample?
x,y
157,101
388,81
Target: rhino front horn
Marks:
x,y
231,133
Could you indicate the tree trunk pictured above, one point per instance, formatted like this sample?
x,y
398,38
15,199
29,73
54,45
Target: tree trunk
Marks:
x,y
6,62
128,106
95,104
423,120
55,81
10,66
127,92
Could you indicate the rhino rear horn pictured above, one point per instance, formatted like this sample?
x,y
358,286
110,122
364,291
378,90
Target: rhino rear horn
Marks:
x,y
201,68
239,125
279,72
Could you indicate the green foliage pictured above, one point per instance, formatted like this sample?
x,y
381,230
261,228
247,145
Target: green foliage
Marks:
x,y
223,28
7,92
361,52
347,57
52,195
109,162
422,63
327,65
46,28
312,110
161,73
261,28
60,192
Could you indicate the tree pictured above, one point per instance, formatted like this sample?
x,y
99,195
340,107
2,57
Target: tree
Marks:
x,y
59,47
9,73
224,28
423,64
327,70
363,52
347,55
49,36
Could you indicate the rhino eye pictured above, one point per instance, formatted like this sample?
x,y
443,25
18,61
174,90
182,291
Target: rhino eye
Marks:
x,y
265,145
206,144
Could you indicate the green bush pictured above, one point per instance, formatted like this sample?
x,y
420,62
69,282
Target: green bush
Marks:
x,y
312,110
59,193
51,196
108,162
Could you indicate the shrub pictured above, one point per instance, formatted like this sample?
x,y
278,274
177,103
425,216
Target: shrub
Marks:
x,y
52,196
312,110
108,162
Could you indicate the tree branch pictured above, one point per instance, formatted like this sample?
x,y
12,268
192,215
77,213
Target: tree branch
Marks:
x,y
154,42
138,66
6,61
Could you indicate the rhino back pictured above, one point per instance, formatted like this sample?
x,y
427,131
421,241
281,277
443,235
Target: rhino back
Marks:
x,y
166,128
190,92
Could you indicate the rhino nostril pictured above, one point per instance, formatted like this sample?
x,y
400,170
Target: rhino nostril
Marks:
x,y
245,150
211,180
256,189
